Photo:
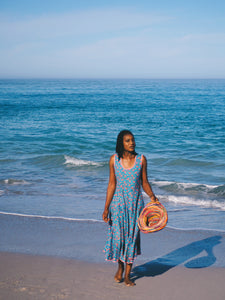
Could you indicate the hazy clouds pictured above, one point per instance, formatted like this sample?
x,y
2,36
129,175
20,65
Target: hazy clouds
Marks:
x,y
114,42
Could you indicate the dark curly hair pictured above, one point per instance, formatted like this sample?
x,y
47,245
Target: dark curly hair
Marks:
x,y
119,142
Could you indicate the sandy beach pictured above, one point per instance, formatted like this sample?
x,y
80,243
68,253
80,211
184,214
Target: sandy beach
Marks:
x,y
59,259
40,277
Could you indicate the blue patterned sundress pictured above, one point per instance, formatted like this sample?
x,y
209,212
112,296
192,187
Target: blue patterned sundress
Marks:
x,y
123,241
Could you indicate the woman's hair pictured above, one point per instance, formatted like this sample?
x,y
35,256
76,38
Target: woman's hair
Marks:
x,y
119,142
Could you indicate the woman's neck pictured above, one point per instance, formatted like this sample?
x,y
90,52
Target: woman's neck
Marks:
x,y
128,154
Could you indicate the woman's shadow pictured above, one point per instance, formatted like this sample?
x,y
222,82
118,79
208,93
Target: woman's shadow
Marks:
x,y
179,256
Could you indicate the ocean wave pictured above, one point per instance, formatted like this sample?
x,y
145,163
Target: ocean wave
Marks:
x,y
50,217
188,163
11,181
7,160
58,160
191,188
195,202
48,161
219,190
80,162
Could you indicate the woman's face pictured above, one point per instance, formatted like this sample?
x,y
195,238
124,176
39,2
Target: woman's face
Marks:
x,y
129,143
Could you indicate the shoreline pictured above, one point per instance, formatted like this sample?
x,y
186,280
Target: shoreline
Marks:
x,y
85,241
60,218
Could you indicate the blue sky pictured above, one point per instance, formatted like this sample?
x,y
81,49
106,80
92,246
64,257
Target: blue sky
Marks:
x,y
112,39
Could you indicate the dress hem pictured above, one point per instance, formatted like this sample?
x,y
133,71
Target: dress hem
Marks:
x,y
114,260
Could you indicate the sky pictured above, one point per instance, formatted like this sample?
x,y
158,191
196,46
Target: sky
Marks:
x,y
112,39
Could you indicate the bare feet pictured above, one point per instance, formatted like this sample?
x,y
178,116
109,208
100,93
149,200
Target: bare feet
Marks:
x,y
128,282
118,277
119,274
127,279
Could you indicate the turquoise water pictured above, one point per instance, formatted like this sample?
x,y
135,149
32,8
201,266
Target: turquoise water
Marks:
x,y
57,137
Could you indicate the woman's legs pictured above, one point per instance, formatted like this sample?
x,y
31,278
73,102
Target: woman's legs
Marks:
x,y
119,274
127,279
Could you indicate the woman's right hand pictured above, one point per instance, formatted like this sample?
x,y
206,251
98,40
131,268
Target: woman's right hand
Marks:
x,y
154,199
105,215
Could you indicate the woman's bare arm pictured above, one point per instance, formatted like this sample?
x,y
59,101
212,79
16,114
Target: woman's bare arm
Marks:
x,y
110,190
145,183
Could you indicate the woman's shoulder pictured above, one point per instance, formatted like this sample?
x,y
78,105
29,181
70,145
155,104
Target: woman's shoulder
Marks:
x,y
141,158
112,158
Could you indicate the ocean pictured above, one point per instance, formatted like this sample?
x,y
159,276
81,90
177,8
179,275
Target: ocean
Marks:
x,y
57,137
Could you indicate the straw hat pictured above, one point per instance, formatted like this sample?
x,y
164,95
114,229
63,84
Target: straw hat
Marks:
x,y
152,218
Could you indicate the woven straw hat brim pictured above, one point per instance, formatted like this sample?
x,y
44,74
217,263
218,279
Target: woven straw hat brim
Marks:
x,y
153,218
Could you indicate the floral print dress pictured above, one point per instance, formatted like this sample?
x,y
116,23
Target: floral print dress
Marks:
x,y
123,241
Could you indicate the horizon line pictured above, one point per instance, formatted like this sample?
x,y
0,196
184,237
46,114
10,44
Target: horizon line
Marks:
x,y
112,78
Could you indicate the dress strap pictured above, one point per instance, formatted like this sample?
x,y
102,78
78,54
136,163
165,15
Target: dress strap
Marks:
x,y
115,158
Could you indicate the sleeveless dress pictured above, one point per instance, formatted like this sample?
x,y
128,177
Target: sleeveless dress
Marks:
x,y
123,240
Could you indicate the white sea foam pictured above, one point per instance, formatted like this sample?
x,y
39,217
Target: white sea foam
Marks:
x,y
79,162
12,181
184,185
192,201
49,217
195,229
204,190
1,192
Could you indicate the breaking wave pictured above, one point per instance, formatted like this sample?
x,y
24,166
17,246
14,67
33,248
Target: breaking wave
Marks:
x,y
11,181
191,188
80,162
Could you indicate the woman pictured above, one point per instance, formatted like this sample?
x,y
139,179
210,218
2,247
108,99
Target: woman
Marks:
x,y
124,203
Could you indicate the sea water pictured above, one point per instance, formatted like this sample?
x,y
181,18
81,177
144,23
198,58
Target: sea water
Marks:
x,y
57,137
